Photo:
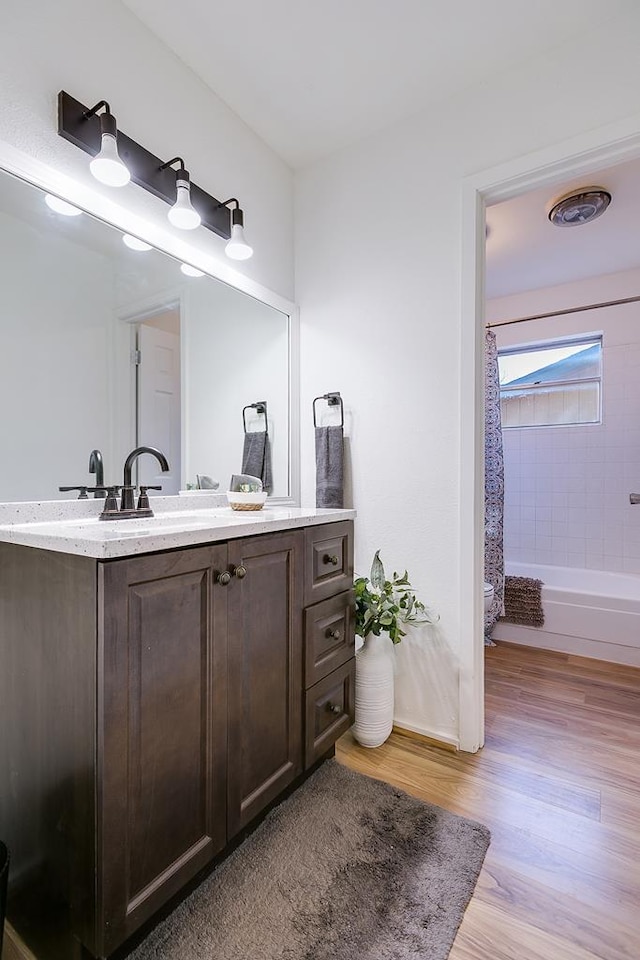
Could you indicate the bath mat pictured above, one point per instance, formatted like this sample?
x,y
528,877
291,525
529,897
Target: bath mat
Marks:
x,y
523,601
347,868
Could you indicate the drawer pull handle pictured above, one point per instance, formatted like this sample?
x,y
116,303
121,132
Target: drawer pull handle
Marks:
x,y
240,572
333,634
224,579
333,707
331,558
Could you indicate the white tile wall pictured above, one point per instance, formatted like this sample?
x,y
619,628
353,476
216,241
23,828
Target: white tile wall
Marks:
x,y
567,488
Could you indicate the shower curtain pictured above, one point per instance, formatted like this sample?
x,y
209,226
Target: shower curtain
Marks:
x,y
493,484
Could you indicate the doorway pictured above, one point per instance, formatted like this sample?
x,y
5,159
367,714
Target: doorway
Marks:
x,y
563,311
158,397
579,157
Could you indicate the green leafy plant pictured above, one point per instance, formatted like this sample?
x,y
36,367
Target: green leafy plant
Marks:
x,y
385,606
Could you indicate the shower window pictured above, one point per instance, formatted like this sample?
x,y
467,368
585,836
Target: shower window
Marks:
x,y
551,384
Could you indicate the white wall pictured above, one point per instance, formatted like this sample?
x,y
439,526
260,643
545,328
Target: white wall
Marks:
x,y
567,488
378,280
97,49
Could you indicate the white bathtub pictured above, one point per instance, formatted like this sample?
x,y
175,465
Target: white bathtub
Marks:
x,y
591,613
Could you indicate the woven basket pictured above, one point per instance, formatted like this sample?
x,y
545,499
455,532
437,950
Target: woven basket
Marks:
x,y
246,506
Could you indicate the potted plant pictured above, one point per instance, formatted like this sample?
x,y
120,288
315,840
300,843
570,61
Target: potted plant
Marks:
x,y
382,607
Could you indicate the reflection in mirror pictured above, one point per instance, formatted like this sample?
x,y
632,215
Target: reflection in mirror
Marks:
x,y
105,346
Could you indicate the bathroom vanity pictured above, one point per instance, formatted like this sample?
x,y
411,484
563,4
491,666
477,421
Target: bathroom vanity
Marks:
x,y
163,684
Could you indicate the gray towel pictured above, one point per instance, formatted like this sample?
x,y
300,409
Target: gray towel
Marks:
x,y
256,457
329,466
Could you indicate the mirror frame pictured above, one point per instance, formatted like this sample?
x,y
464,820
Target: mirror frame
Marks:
x,y
46,178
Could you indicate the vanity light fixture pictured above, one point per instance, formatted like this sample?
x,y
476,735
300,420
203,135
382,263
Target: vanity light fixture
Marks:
x,y
96,134
190,271
237,248
61,206
106,166
134,243
182,213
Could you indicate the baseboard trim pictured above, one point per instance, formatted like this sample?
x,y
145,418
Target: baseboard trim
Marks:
x,y
13,947
442,742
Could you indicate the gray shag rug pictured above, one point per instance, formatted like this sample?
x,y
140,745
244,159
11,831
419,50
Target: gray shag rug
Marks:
x,y
348,868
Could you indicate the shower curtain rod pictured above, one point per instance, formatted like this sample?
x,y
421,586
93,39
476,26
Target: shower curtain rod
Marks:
x,y
562,313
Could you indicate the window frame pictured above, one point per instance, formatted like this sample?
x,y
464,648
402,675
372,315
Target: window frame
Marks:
x,y
556,343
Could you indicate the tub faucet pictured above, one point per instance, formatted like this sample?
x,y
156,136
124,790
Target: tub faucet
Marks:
x,y
634,498
96,465
127,502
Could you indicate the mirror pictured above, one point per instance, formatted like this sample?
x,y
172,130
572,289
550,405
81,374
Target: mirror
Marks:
x,y
108,347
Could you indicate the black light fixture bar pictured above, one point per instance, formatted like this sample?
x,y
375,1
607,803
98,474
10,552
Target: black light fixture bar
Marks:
x,y
146,170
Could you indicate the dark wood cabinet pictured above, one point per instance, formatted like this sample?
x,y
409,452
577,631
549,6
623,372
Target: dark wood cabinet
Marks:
x,y
163,730
177,695
330,707
329,560
265,673
329,637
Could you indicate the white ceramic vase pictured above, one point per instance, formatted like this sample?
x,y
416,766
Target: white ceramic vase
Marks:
x,y
374,691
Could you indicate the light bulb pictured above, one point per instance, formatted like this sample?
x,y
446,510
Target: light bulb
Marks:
x,y
134,244
107,167
190,271
61,206
237,248
182,214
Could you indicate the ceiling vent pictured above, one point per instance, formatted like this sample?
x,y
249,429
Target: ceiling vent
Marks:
x,y
573,208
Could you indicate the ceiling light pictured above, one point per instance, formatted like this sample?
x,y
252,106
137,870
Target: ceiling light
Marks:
x,y
578,207
182,214
190,271
106,166
237,247
61,206
134,244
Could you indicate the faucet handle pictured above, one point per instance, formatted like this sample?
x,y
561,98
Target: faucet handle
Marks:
x,y
111,503
143,499
83,491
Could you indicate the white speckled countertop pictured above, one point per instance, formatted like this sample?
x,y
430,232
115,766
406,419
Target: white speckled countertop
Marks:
x,y
73,526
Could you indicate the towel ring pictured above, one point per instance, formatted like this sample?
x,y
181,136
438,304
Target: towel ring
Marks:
x,y
334,400
260,407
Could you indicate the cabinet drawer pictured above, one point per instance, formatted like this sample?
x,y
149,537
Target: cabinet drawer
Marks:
x,y
329,711
329,637
328,561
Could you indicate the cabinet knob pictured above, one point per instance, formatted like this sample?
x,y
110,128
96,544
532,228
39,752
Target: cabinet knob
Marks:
x,y
240,572
331,558
224,578
333,707
333,634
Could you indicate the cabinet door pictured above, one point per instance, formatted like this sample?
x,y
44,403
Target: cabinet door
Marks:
x,y
161,730
265,672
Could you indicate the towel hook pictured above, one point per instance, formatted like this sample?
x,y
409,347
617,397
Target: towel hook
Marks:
x,y
260,406
333,399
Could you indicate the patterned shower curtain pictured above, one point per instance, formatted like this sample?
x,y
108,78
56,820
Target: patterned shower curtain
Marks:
x,y
493,483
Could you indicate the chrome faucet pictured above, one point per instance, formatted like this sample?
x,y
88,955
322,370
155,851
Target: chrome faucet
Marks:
x,y
96,465
127,502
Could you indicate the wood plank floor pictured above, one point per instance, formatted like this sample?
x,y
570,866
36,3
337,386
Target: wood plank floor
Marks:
x,y
558,783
